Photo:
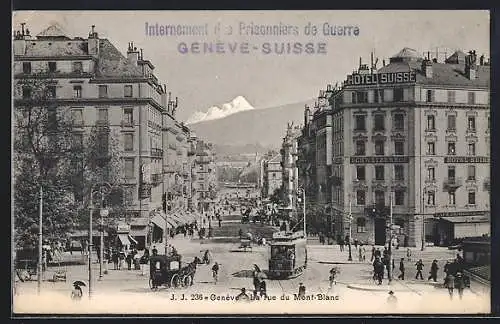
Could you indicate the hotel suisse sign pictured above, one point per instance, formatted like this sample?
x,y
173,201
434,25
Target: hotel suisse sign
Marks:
x,y
462,214
466,159
378,159
381,78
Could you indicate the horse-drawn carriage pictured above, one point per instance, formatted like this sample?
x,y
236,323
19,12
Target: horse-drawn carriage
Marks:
x,y
167,271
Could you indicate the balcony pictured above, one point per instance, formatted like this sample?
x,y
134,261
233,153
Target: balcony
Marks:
x,y
486,185
156,152
156,178
126,124
451,184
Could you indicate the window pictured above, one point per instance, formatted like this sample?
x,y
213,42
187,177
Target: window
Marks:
x,y
472,198
399,148
379,122
472,149
431,173
128,140
431,122
361,225
361,96
128,116
471,172
399,172
102,114
129,168
451,198
360,197
379,147
360,148
360,123
102,143
27,67
77,91
77,140
399,122
360,172
399,198
431,148
26,92
451,173
51,91
398,94
401,223
77,67
429,96
380,198
471,123
77,117
451,96
127,90
471,97
103,91
431,198
274,175
379,96
52,67
379,172
451,148
452,122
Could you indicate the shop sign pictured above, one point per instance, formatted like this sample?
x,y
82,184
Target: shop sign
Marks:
x,y
123,228
462,214
381,78
466,159
378,159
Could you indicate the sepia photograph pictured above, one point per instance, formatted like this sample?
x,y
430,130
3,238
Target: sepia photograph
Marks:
x,y
250,162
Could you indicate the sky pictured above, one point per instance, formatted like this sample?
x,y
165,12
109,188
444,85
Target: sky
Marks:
x,y
268,80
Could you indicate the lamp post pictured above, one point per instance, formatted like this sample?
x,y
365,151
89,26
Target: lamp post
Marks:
x,y
91,288
389,269
423,222
350,229
104,213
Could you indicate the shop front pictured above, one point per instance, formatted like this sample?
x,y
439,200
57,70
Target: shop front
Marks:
x,y
123,238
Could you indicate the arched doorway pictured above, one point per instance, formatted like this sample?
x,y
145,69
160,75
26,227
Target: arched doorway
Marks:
x,y
380,231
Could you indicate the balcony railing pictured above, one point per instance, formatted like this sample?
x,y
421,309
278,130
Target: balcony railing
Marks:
x,y
125,123
451,183
156,152
487,185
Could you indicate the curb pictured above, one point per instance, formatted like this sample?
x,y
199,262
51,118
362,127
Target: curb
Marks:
x,y
386,289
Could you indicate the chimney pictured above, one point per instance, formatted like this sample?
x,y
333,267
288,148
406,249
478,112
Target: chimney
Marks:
x,y
93,43
132,54
470,65
383,62
427,68
141,57
306,115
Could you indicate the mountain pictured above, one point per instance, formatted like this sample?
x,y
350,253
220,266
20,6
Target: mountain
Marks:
x,y
237,105
256,127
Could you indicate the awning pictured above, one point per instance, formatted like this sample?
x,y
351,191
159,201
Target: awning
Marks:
x,y
172,222
159,221
124,239
138,231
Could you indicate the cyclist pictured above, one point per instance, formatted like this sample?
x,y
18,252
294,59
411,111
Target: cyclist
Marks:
x,y
215,271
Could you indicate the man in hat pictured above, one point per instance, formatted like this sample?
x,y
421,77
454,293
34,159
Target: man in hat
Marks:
x,y
420,267
434,271
460,283
402,269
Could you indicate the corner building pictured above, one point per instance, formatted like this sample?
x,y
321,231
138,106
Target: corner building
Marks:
x,y
419,130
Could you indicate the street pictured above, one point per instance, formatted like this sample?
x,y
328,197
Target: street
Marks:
x,y
127,291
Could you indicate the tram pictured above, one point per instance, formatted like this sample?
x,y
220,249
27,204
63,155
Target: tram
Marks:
x,y
288,255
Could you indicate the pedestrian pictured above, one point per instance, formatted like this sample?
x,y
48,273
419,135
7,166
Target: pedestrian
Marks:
x,y
434,271
378,270
378,254
263,289
449,282
341,243
356,244
220,222
420,267
333,274
77,293
408,254
154,252
401,269
360,254
373,253
363,253
302,290
460,284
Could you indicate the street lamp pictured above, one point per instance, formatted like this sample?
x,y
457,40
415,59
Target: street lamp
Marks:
x,y
350,229
303,192
104,213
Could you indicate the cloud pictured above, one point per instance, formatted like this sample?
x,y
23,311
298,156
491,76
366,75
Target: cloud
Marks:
x,y
237,105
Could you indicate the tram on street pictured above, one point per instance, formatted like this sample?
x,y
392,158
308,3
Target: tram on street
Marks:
x,y
288,255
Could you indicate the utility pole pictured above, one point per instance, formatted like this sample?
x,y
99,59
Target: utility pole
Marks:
x,y
350,229
40,242
423,222
389,270
304,210
90,247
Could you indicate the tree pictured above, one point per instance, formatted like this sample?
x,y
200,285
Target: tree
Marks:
x,y
42,133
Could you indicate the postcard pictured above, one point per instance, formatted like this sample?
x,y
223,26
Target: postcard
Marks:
x,y
251,162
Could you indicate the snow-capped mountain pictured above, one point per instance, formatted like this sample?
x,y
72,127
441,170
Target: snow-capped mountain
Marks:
x,y
237,105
